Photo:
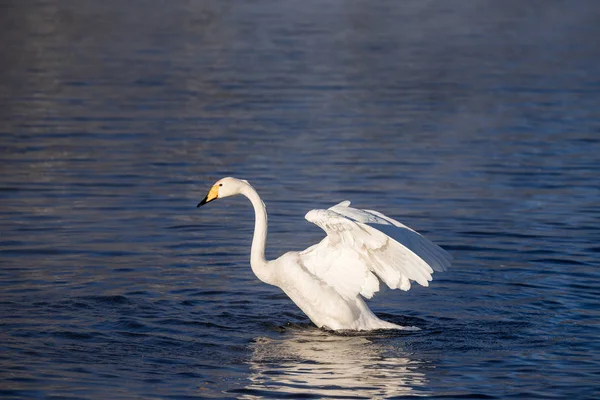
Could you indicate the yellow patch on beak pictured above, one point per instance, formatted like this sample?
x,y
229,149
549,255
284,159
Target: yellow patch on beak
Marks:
x,y
213,194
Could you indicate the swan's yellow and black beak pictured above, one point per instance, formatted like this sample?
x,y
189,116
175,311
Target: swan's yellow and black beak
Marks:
x,y
213,194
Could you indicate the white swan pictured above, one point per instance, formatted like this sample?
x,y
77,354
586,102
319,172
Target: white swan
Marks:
x,y
328,279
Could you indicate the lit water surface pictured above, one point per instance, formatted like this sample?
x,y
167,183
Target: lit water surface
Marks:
x,y
476,124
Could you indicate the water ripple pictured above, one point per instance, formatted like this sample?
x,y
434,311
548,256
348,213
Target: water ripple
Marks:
x,y
475,124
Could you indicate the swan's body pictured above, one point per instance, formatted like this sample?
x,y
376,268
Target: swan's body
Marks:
x,y
329,280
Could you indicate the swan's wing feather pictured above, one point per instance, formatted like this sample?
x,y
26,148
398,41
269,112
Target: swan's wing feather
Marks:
x,y
337,259
355,256
431,253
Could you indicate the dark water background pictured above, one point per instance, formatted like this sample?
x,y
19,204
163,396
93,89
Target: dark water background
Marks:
x,y
474,122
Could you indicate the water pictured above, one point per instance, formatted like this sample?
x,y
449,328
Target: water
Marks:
x,y
476,124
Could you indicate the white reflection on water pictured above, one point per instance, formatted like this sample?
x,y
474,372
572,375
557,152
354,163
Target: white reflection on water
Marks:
x,y
315,362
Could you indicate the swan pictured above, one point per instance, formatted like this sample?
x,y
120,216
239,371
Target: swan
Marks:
x,y
330,280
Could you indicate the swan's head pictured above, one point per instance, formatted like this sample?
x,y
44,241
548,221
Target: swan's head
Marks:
x,y
224,188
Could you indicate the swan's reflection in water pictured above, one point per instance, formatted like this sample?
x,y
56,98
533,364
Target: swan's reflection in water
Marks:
x,y
308,361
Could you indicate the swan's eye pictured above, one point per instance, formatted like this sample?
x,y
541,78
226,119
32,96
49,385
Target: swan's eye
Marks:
x,y
220,184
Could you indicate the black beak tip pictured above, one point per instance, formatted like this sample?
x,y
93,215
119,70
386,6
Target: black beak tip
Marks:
x,y
203,202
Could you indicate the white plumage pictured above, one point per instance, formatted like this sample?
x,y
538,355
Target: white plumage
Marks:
x,y
362,250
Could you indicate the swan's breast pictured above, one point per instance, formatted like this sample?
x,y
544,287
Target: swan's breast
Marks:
x,y
319,301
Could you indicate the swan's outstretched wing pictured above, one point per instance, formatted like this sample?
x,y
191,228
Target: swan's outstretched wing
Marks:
x,y
363,247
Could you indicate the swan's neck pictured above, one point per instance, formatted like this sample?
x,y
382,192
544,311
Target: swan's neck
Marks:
x,y
259,264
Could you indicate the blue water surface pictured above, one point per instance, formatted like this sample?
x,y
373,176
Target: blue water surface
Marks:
x,y
475,123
